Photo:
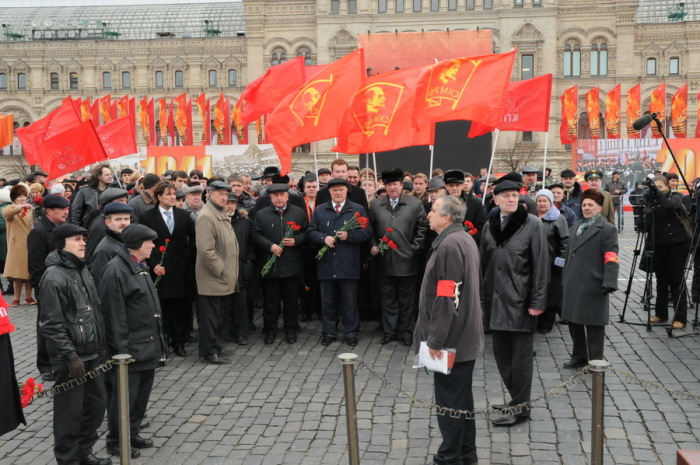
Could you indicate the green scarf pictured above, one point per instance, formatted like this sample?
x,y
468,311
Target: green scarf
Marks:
x,y
584,224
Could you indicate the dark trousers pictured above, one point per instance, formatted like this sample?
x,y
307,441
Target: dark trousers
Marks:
x,y
140,385
458,434
589,341
513,354
398,305
239,313
311,295
286,292
669,264
77,413
339,296
175,318
42,352
212,320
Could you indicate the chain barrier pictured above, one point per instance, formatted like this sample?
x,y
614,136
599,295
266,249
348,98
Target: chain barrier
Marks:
x,y
71,383
526,406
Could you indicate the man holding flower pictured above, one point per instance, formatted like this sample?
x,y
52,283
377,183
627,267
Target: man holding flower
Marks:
x,y
341,226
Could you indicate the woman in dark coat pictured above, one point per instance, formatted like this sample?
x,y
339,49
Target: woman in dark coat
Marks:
x,y
590,275
556,231
12,414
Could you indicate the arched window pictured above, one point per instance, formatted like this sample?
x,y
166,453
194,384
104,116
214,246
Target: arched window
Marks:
x,y
599,59
275,59
306,53
651,66
279,55
179,78
54,81
213,78
572,59
106,80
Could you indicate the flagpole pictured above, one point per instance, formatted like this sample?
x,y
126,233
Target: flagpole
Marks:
x,y
313,149
374,158
544,166
335,139
488,174
432,151
366,166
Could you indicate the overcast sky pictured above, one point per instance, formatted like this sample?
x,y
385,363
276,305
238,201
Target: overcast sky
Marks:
x,y
33,3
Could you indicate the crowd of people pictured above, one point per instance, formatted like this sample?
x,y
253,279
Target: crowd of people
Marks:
x,y
135,264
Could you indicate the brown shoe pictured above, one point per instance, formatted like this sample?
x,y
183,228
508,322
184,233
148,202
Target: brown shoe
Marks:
x,y
656,319
678,325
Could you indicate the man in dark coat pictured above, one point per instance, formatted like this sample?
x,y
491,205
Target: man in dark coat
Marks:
x,y
133,319
175,230
86,199
265,201
144,201
72,324
243,199
283,281
117,216
401,218
97,228
475,214
339,268
339,169
572,191
449,317
515,270
39,245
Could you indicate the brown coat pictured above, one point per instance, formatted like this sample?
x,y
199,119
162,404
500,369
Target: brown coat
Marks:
x,y
216,268
18,227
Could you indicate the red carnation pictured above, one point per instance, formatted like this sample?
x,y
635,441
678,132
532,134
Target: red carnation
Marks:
x,y
385,239
162,249
393,245
389,230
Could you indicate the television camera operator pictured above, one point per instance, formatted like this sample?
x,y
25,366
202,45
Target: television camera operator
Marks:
x,y
669,243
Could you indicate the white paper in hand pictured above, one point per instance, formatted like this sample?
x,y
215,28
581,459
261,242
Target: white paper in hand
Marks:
x,y
442,365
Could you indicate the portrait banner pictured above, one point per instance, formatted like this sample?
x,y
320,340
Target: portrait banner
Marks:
x,y
593,110
679,112
613,115
568,131
634,110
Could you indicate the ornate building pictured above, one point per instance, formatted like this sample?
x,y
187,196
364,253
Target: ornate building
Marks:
x,y
49,53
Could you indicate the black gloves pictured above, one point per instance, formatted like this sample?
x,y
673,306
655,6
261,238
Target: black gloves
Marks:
x,y
76,368
608,290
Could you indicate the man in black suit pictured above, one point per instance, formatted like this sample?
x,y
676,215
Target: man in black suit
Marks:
x,y
339,169
176,235
454,181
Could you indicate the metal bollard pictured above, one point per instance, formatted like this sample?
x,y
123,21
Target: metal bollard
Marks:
x,y
349,360
598,368
122,361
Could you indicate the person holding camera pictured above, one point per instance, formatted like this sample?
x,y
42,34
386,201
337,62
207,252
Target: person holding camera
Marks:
x,y
670,244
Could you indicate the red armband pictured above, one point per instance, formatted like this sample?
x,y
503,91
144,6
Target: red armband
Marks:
x,y
446,288
610,257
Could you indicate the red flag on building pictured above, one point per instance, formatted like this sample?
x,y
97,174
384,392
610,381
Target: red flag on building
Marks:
x,y
222,120
634,110
118,137
183,119
163,120
123,107
679,112
658,106
472,89
593,110
95,112
171,123
85,110
238,125
147,121
6,130
315,110
205,115
568,131
380,115
106,108
71,150
526,107
263,94
613,115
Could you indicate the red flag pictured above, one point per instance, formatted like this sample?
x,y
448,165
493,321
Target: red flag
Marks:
x,y
163,120
315,110
147,121
95,112
239,126
62,119
106,108
568,131
380,115
85,112
593,110
263,94
679,112
71,150
183,119
259,129
222,120
6,130
526,108
634,110
613,115
118,137
58,121
658,106
171,123
123,106
465,89
205,115
31,137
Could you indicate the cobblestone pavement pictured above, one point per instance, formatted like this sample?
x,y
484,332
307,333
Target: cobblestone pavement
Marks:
x,y
283,404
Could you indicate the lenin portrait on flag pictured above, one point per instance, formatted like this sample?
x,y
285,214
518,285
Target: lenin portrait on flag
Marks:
x,y
449,81
376,109
307,105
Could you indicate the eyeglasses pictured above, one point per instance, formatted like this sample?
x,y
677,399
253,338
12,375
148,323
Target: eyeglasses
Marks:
x,y
194,177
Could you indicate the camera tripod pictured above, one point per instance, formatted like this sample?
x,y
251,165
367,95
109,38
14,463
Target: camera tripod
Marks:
x,y
689,265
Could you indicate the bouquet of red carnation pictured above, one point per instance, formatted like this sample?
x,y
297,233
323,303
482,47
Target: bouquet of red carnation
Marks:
x,y
469,228
163,250
292,227
27,391
356,222
386,243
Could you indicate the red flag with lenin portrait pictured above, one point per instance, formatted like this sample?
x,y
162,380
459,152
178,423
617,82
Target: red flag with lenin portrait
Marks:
x,y
568,131
613,117
633,110
465,89
679,112
205,114
593,110
658,106
315,110
380,116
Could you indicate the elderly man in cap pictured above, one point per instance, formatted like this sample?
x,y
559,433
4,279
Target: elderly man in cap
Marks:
x,y
515,270
96,225
324,175
617,189
265,200
339,268
175,230
454,181
216,272
40,176
72,324
193,199
134,326
436,189
144,201
594,178
117,216
530,174
401,218
86,199
572,191
39,245
283,282
449,317
356,194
